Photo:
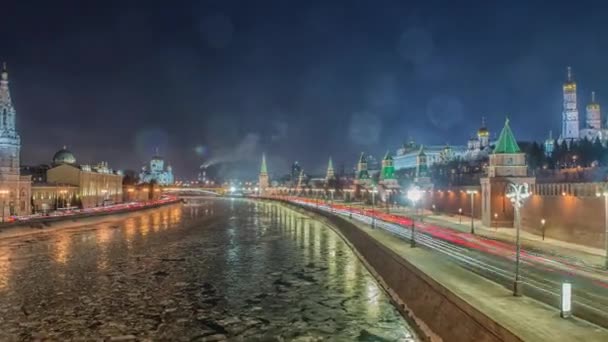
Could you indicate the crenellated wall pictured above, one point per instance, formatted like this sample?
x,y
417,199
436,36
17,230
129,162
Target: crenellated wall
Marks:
x,y
449,200
572,212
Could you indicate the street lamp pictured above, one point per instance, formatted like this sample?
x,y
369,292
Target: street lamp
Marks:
x,y
459,215
3,192
542,224
496,221
518,193
414,194
472,193
373,204
604,193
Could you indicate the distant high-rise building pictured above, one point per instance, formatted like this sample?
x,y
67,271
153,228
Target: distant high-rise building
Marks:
x,y
570,124
296,169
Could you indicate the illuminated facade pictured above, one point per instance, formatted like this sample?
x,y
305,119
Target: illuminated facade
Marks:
x,y
330,174
157,172
570,124
263,177
97,185
478,147
592,128
15,189
47,197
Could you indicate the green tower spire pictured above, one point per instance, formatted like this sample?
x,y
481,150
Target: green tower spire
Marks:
x,y
362,168
506,141
388,167
330,170
263,168
421,163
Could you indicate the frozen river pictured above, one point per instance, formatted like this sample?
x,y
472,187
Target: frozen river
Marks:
x,y
213,270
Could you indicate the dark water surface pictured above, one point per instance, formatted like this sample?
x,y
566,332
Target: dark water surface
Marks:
x,y
209,271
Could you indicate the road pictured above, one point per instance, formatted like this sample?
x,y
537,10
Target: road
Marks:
x,y
213,270
542,274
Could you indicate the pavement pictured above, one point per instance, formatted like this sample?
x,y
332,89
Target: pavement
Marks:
x,y
529,319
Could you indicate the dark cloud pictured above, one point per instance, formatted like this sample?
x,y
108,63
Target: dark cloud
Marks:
x,y
297,80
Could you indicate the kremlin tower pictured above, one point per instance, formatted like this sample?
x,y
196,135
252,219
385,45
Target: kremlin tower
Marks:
x,y
570,125
263,177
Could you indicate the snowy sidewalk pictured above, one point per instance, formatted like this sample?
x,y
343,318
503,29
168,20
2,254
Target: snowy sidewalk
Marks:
x,y
533,320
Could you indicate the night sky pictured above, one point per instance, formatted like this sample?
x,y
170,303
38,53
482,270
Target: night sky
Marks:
x,y
208,81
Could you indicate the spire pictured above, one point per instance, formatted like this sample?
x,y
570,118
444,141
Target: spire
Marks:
x,y
550,134
4,72
362,158
593,97
483,121
330,170
421,152
387,156
569,74
506,141
263,169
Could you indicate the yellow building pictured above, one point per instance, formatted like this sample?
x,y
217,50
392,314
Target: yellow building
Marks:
x,y
47,197
97,185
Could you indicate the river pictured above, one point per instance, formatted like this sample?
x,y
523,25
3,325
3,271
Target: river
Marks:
x,y
211,270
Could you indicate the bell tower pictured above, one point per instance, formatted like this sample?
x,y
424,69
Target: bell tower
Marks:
x,y
570,125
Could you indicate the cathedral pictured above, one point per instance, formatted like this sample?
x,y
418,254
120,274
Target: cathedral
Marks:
x,y
571,127
157,172
15,189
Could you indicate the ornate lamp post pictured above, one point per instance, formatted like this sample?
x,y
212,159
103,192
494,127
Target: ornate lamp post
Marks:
x,y
542,224
459,215
374,190
472,193
604,193
517,193
414,194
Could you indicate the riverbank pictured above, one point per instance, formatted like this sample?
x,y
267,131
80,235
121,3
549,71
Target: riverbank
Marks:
x,y
455,304
46,223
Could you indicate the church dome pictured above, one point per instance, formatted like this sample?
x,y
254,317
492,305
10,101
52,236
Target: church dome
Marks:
x,y
483,132
64,156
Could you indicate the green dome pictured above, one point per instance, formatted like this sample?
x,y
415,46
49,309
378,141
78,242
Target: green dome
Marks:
x,y
64,156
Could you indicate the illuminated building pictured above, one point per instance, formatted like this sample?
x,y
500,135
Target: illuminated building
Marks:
x,y
507,164
477,148
387,173
570,125
157,172
47,196
296,169
362,177
263,177
549,144
330,174
98,185
593,128
15,189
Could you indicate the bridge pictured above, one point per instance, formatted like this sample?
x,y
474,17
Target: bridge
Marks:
x,y
194,191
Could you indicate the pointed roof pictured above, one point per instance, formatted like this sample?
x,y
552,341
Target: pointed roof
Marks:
x,y
387,156
506,141
263,168
362,158
330,164
421,152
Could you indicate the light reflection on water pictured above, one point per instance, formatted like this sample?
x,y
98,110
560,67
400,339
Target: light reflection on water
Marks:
x,y
291,275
